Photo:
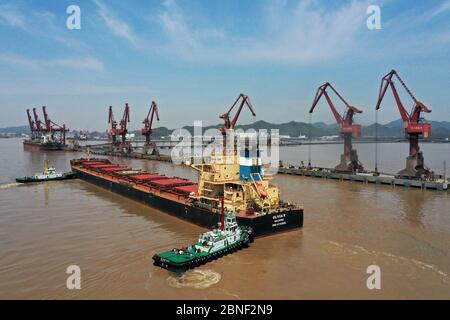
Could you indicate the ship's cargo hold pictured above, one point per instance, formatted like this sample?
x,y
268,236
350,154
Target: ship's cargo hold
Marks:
x,y
148,176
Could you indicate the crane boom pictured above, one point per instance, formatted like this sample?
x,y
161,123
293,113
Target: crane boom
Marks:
x,y
345,122
322,91
148,128
125,118
47,121
37,121
111,119
148,121
409,119
31,122
123,130
113,123
230,124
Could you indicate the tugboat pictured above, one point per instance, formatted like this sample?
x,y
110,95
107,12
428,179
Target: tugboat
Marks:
x,y
49,174
210,246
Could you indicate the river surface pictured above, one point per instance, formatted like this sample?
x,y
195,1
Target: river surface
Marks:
x,y
46,227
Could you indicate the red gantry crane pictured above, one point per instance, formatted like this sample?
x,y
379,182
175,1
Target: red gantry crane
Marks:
x,y
413,123
38,123
123,130
148,123
113,123
32,125
349,160
231,123
52,128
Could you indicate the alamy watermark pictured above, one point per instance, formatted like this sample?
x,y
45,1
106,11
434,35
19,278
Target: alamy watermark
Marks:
x,y
73,21
74,279
373,21
374,280
213,145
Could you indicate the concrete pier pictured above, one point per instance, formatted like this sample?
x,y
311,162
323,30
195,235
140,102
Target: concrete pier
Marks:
x,y
438,184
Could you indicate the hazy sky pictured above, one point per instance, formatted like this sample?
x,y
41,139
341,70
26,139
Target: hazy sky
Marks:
x,y
195,57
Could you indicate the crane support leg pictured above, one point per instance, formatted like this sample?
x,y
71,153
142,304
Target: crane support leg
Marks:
x,y
349,159
415,166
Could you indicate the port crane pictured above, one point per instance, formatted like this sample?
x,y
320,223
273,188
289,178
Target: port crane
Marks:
x,y
33,128
349,159
229,124
39,125
123,130
113,123
148,123
38,122
52,128
413,124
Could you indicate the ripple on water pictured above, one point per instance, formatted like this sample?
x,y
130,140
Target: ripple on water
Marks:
x,y
415,264
4,186
197,279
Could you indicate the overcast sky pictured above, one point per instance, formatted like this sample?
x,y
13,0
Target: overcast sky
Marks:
x,y
195,57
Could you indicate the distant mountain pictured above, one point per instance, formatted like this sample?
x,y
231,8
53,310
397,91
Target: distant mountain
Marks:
x,y
16,130
293,128
395,124
383,131
394,129
439,129
323,125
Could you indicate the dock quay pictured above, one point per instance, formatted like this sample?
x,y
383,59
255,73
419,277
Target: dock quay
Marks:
x,y
440,184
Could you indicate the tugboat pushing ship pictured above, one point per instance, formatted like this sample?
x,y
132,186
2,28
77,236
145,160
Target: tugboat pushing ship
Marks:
x,y
229,238
238,178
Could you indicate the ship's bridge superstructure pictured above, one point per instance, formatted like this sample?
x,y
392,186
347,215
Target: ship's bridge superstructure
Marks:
x,y
240,180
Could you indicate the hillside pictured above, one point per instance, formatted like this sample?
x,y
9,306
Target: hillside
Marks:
x,y
394,129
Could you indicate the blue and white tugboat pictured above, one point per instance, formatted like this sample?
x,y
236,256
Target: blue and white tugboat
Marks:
x,y
49,174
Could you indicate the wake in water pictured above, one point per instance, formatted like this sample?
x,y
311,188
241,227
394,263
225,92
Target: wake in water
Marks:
x,y
197,279
355,249
10,185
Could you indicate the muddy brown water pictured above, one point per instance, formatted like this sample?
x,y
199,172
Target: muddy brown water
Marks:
x,y
348,226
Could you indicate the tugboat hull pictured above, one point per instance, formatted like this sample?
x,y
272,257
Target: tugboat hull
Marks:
x,y
198,261
66,176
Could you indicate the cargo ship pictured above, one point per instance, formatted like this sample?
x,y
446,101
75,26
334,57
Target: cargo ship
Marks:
x,y
46,135
43,143
238,179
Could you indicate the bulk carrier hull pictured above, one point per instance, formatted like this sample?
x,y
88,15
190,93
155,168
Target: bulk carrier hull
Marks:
x,y
48,146
182,207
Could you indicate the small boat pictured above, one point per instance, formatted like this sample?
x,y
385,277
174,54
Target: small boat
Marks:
x,y
211,245
49,174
